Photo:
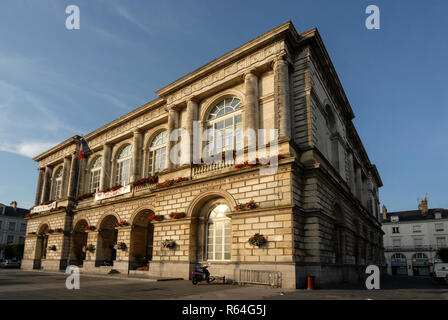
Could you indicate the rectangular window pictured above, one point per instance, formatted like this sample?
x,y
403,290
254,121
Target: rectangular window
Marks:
x,y
417,228
10,239
441,242
21,239
395,230
12,226
218,241
57,189
439,227
396,242
418,242
22,227
94,184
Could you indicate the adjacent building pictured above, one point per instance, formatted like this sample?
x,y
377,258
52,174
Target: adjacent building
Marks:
x,y
412,238
12,225
124,205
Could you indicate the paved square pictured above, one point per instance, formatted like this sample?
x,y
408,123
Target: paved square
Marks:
x,y
18,284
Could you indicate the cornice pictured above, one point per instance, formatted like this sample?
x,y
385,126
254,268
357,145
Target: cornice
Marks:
x,y
285,30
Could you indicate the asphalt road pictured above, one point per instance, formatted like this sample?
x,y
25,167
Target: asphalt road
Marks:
x,y
32,285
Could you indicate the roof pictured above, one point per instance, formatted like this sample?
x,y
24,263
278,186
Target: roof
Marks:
x,y
18,213
416,215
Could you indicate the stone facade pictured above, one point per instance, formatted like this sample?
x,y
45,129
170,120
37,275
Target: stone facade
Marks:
x,y
318,211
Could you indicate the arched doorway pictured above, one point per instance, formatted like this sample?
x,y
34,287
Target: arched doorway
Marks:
x,y
79,243
107,239
142,238
42,244
399,264
420,264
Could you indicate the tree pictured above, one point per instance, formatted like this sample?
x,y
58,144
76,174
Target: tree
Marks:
x,y
14,250
443,254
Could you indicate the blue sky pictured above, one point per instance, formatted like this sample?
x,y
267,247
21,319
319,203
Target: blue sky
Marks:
x,y
56,83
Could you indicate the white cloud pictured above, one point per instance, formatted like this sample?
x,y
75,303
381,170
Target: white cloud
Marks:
x,y
28,149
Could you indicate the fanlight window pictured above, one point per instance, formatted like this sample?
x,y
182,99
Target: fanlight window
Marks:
x,y
95,175
226,120
123,170
57,187
157,153
218,234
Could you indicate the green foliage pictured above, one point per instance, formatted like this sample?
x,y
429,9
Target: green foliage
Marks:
x,y
14,250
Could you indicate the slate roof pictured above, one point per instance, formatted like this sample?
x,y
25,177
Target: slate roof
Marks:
x,y
415,215
18,213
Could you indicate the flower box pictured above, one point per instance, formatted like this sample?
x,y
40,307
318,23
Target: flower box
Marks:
x,y
177,215
85,196
246,206
90,228
32,233
156,217
122,223
149,180
171,182
257,240
59,230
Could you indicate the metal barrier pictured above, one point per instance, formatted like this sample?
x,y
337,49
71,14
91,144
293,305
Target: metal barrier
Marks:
x,y
271,278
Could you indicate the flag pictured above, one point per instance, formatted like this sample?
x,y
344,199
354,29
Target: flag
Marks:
x,y
84,149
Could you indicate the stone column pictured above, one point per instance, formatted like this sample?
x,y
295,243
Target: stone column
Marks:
x,y
281,96
83,175
123,258
73,178
187,150
137,156
251,108
172,115
46,185
40,182
106,178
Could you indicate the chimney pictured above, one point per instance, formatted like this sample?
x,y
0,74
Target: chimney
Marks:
x,y
13,204
384,212
423,206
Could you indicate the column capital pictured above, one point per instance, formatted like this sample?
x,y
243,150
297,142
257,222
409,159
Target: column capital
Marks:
x,y
192,99
250,73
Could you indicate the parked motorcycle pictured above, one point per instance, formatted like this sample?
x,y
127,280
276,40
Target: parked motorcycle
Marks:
x,y
201,275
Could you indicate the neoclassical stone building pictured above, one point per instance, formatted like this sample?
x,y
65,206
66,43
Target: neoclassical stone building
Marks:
x,y
318,212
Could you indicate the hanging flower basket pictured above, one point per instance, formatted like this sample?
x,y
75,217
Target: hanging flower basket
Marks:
x,y
177,215
53,248
257,240
120,246
155,217
90,248
122,223
90,228
168,243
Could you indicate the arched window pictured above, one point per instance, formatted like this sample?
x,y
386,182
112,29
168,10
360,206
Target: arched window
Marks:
x,y
57,186
333,151
157,153
95,175
123,170
218,234
419,255
226,119
398,256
